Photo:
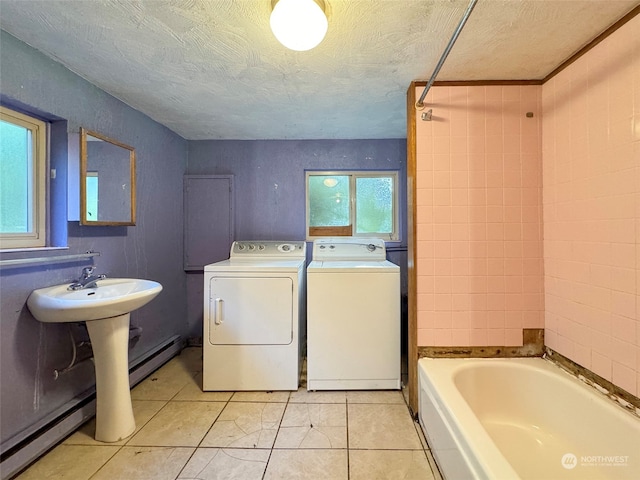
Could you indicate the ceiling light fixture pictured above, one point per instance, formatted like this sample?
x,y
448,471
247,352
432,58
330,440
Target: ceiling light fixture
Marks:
x,y
299,24
330,182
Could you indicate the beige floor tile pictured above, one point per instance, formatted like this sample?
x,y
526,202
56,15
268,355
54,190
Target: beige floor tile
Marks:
x,y
246,425
164,383
305,396
145,463
226,463
384,427
307,465
375,396
143,411
405,393
192,392
185,438
63,462
389,465
191,359
423,440
280,397
433,465
308,425
178,424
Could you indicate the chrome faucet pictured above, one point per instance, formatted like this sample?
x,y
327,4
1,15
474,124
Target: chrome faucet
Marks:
x,y
86,280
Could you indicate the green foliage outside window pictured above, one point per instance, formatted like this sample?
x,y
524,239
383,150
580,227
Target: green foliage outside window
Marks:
x,y
23,161
15,173
91,192
374,205
329,201
364,200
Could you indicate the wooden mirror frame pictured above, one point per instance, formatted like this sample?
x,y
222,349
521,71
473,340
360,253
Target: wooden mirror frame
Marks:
x,y
84,133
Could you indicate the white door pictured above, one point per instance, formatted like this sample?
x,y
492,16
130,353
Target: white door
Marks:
x,y
250,311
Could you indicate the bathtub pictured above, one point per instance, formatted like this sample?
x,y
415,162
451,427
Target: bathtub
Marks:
x,y
522,418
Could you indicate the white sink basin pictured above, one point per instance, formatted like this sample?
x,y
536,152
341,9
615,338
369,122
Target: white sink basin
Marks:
x,y
106,310
113,297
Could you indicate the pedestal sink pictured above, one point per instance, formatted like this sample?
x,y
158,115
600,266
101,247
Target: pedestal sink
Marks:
x,y
106,310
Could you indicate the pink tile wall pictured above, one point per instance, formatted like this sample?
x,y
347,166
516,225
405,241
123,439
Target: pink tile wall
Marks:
x,y
591,165
479,214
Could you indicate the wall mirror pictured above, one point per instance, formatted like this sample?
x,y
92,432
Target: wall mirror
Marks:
x,y
107,181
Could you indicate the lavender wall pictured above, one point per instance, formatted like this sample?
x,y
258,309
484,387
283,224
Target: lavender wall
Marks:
x,y
30,350
269,196
269,182
112,165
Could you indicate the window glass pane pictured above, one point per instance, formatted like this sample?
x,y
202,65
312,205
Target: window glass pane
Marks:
x,y
329,201
92,196
22,180
15,179
374,205
357,203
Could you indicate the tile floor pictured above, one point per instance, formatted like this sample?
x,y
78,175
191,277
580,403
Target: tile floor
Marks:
x,y
184,433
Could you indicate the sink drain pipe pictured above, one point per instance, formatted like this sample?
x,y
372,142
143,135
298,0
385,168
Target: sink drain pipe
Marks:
x,y
81,351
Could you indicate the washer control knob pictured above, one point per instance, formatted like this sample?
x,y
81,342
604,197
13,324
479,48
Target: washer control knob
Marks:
x,y
261,247
252,246
322,247
371,247
332,247
241,246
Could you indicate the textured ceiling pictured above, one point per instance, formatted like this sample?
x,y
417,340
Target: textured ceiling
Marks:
x,y
213,70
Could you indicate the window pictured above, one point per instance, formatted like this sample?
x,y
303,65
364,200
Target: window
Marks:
x,y
352,204
91,191
22,180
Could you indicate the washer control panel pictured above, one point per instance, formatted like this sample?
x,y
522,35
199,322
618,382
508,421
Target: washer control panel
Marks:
x,y
267,248
349,248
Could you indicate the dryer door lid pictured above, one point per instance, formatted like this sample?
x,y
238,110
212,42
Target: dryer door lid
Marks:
x,y
251,311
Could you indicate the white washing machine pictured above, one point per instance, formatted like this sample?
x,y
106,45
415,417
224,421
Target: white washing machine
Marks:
x,y
353,316
254,317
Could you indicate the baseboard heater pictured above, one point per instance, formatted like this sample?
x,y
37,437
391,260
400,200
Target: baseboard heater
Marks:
x,y
25,447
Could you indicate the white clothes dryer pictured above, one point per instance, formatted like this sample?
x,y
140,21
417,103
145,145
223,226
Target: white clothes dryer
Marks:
x,y
254,317
353,316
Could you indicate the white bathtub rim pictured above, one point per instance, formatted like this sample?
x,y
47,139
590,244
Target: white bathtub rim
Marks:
x,y
468,433
446,372
490,463
466,426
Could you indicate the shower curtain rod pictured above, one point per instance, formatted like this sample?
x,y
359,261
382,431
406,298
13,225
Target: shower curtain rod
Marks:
x,y
445,54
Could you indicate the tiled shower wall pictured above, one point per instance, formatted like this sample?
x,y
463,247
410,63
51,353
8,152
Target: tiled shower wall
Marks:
x,y
591,152
479,216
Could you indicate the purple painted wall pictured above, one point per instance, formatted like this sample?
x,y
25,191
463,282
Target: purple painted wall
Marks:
x,y
29,350
112,166
269,183
269,204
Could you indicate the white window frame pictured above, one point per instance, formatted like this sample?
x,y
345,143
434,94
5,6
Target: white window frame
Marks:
x,y
37,237
353,175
